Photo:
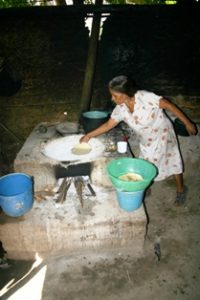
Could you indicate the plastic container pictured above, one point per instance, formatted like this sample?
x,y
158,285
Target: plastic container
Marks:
x,y
122,147
130,201
124,165
91,120
16,194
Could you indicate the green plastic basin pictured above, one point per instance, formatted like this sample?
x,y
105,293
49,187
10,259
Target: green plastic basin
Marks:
x,y
124,165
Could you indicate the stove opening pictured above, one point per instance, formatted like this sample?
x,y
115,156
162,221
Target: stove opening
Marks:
x,y
83,169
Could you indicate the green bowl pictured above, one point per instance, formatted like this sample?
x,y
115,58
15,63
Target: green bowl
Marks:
x,y
121,166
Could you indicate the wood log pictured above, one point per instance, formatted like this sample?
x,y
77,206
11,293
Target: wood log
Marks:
x,y
91,61
63,191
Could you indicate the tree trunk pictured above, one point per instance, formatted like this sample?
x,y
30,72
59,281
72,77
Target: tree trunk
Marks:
x,y
60,2
91,61
78,2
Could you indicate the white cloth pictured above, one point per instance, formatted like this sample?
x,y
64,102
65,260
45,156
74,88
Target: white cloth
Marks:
x,y
157,139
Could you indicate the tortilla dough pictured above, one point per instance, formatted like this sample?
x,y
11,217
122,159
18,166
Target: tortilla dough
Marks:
x,y
131,177
81,148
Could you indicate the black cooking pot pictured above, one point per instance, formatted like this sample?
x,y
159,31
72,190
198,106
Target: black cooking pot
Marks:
x,y
92,119
180,128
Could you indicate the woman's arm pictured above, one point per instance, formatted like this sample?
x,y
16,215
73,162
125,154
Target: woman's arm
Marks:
x,y
167,105
100,130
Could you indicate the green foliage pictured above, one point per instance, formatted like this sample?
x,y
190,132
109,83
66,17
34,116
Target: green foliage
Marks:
x,y
117,1
155,2
140,2
25,3
16,3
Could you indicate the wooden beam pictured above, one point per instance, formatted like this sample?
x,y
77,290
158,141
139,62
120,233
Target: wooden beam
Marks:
x,y
91,62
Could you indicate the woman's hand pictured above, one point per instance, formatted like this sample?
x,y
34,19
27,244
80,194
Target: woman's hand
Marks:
x,y
85,139
191,128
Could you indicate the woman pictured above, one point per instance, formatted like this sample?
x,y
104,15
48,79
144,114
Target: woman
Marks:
x,y
144,112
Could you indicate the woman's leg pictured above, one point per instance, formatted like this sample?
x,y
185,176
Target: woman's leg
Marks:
x,y
179,183
181,190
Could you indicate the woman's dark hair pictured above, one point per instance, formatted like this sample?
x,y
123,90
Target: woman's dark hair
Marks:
x,y
123,84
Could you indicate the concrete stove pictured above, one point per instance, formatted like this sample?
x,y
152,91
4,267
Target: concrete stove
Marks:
x,y
60,227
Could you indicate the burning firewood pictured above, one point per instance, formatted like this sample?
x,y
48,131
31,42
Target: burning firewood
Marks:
x,y
78,183
63,190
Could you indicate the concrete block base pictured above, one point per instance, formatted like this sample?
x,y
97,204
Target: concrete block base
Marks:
x,y
59,229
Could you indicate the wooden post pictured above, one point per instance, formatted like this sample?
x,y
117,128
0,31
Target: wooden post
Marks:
x,y
91,61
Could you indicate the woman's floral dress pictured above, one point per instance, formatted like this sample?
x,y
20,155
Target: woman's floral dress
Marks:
x,y
157,139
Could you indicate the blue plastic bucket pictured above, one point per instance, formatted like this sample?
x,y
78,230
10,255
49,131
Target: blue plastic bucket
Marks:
x,y
130,201
16,194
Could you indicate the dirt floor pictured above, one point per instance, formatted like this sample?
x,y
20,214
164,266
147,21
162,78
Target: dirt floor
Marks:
x,y
174,273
